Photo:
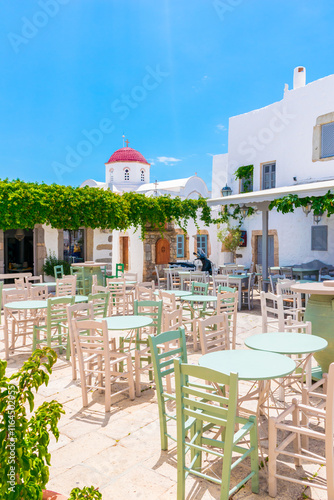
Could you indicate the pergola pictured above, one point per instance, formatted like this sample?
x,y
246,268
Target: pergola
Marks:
x,y
261,200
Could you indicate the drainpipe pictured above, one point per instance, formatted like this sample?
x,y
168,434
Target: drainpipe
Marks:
x,y
265,218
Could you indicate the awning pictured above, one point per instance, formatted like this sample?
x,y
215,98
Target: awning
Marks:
x,y
268,195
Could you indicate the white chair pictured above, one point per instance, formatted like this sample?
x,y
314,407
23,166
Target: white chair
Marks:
x,y
298,432
18,323
214,333
66,285
227,302
161,281
247,292
98,364
219,279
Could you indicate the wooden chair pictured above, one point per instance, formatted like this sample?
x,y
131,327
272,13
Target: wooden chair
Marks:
x,y
130,276
66,285
164,348
17,323
83,285
298,429
248,292
152,309
144,293
55,331
225,289
228,303
100,303
81,312
20,284
98,364
119,299
273,278
214,333
38,292
58,271
172,320
173,279
161,281
286,272
212,411
220,280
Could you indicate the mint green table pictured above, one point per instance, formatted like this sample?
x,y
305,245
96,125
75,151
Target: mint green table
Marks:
x,y
176,293
239,280
40,304
250,365
127,322
199,298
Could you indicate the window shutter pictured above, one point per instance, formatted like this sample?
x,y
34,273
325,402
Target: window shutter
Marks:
x,y
327,140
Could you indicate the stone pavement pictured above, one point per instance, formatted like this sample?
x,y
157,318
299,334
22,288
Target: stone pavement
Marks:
x,y
120,451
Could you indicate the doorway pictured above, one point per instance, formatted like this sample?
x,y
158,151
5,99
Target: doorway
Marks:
x,y
162,251
124,251
19,251
74,245
271,247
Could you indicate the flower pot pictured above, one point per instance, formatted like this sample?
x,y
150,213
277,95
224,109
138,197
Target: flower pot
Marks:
x,y
52,495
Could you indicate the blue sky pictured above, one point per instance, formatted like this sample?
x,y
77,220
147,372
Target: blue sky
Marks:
x,y
77,75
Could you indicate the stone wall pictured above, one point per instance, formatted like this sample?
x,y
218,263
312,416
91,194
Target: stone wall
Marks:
x,y
151,238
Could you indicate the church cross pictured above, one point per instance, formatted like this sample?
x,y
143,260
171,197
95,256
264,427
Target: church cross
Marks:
x,y
127,143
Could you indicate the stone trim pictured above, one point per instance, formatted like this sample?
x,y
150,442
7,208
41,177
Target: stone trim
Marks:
x,y
316,140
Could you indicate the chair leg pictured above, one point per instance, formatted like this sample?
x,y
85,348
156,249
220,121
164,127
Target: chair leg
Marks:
x,y
137,372
130,378
254,457
272,481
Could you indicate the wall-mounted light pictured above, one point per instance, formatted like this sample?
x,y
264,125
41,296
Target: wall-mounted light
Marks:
x,y
226,191
317,217
307,209
244,211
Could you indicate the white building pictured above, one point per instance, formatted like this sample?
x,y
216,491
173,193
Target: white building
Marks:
x,y
290,144
128,170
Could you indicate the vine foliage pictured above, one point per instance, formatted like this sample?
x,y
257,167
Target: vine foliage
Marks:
x,y
245,173
23,204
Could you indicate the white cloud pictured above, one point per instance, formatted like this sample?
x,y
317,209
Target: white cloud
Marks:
x,y
221,127
152,162
167,160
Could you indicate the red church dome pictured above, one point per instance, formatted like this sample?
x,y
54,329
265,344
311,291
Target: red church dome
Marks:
x,y
127,154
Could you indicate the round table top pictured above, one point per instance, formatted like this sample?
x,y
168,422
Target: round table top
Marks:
x,y
177,293
286,342
200,298
40,304
89,264
250,365
192,271
315,288
47,283
237,276
127,322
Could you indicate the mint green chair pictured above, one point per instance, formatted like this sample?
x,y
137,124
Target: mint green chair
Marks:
x,y
83,282
100,303
212,410
152,309
222,289
198,288
164,348
119,270
58,271
1,287
56,325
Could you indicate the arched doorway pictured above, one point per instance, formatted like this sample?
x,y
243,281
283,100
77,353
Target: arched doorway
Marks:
x,y
162,251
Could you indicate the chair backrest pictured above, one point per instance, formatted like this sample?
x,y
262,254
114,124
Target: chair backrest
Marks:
x,y
220,280
34,279
198,288
287,272
99,289
150,308
20,284
118,299
283,287
66,286
227,302
58,271
38,292
173,278
100,303
214,333
174,343
91,337
272,304
225,289
252,268
130,276
119,270
144,293
273,278
13,295
172,320
57,309
169,301
195,398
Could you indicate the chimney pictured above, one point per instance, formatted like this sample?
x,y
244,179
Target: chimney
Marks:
x,y
299,77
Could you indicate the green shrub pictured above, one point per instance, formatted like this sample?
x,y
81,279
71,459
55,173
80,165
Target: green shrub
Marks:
x,y
51,261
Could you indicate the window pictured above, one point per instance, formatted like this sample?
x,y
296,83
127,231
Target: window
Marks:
x,y
268,175
142,175
180,246
327,140
246,185
74,246
111,175
202,243
126,174
319,238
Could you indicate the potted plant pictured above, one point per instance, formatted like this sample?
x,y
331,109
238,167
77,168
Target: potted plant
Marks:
x,y
24,439
50,262
230,238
